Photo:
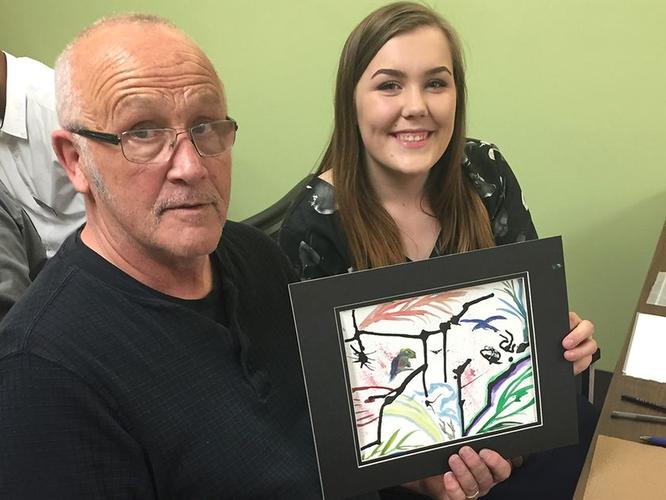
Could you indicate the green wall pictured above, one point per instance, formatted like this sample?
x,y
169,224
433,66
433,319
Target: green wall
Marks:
x,y
572,91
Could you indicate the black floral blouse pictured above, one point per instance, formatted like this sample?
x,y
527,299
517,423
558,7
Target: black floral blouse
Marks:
x,y
313,238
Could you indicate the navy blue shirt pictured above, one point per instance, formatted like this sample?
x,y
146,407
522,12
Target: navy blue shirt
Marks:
x,y
110,389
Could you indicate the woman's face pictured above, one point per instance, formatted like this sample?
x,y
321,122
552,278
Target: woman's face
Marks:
x,y
406,104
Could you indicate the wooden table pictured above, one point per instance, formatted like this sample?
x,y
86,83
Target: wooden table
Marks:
x,y
621,384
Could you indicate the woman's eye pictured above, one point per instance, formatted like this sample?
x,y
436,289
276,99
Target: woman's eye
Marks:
x,y
437,84
389,86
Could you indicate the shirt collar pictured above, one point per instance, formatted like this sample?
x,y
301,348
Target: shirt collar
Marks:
x,y
15,109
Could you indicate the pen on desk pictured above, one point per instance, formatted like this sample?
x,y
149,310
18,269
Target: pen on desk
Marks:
x,y
655,440
643,402
638,416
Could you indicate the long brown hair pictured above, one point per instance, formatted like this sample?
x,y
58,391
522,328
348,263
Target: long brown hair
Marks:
x,y
372,234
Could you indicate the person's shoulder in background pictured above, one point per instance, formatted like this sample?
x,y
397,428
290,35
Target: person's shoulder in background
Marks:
x,y
22,253
35,77
28,164
30,98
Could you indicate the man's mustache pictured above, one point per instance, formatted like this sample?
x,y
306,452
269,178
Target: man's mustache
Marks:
x,y
187,200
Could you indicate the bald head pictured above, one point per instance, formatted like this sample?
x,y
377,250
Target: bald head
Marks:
x,y
109,51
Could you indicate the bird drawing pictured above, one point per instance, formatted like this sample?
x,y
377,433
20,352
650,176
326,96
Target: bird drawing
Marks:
x,y
483,324
401,362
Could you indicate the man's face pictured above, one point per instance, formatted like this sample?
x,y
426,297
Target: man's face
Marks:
x,y
154,78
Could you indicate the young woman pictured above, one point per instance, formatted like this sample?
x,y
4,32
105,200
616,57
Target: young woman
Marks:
x,y
400,180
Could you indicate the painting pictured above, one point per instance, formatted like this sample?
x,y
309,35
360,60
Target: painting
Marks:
x,y
439,367
406,364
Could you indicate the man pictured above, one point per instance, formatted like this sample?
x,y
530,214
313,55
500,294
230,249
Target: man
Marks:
x,y
21,251
147,361
155,355
28,167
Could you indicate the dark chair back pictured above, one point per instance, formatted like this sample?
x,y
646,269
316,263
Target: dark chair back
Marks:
x,y
270,219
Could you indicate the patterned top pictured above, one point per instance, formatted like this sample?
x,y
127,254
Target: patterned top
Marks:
x,y
314,240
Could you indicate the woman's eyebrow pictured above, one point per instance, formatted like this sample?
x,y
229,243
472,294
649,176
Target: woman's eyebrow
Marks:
x,y
439,69
390,72
401,74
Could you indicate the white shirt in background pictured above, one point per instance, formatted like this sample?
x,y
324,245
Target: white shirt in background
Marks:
x,y
28,166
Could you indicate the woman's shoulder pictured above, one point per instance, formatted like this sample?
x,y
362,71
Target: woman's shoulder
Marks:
x,y
316,199
497,186
485,166
487,169
312,235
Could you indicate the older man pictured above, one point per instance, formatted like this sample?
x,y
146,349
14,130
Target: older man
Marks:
x,y
152,358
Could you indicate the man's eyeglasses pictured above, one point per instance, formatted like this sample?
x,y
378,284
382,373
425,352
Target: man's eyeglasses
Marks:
x,y
155,145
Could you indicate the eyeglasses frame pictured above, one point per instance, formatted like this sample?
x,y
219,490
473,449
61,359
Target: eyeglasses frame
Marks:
x,y
116,139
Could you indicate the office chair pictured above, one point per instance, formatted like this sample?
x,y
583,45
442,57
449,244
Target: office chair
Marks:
x,y
270,219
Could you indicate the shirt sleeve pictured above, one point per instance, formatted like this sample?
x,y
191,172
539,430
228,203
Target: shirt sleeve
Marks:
x,y
21,253
60,439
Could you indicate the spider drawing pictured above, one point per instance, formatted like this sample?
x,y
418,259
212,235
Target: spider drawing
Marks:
x,y
360,356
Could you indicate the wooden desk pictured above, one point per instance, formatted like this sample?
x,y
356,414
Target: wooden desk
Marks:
x,y
621,384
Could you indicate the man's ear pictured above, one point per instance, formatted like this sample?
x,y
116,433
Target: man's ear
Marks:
x,y
69,157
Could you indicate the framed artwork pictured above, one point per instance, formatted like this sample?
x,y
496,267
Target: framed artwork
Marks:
x,y
405,364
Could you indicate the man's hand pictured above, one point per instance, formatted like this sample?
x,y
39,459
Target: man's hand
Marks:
x,y
472,475
579,346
